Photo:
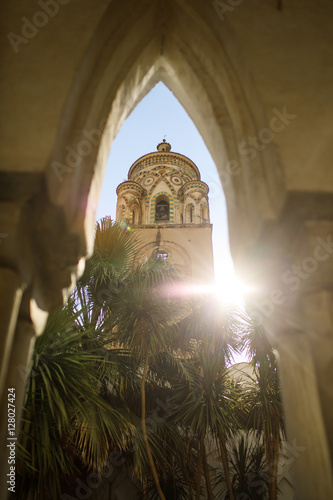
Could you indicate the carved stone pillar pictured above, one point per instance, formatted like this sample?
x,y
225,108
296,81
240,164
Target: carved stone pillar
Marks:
x,y
17,372
292,271
306,432
318,313
11,294
39,259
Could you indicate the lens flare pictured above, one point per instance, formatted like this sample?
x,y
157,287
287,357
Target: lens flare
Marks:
x,y
230,291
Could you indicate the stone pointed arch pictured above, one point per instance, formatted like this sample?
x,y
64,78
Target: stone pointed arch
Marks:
x,y
177,254
134,48
97,75
171,200
189,213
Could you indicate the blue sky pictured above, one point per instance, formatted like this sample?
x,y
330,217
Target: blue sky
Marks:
x,y
157,116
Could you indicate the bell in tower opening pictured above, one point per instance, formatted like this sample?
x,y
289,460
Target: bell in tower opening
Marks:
x,y
162,211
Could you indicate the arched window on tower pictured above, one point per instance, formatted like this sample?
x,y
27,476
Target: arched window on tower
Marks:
x,y
161,254
204,213
162,209
135,214
189,213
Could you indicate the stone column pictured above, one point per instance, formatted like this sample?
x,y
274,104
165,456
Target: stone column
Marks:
x,y
10,300
318,313
11,295
24,339
306,433
39,260
292,270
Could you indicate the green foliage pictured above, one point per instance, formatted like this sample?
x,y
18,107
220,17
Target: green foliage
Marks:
x,y
64,417
130,364
173,483
248,469
144,312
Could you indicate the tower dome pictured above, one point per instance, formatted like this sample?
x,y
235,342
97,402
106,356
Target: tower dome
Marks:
x,y
163,187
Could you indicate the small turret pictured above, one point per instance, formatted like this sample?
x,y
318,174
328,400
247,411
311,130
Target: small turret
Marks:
x,y
164,146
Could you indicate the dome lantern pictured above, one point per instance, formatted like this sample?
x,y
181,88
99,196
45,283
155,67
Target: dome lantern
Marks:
x,y
164,146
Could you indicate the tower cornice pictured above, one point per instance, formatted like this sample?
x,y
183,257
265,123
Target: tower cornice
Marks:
x,y
160,158
200,186
130,186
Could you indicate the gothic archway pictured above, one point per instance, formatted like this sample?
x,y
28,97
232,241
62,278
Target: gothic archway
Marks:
x,y
105,91
183,44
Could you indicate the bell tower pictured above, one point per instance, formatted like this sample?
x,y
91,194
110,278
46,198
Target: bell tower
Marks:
x,y
166,203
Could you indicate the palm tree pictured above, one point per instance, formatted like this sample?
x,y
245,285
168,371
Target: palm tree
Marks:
x,y
112,259
125,305
263,400
204,397
247,464
264,404
65,421
255,342
143,321
65,418
173,483
137,342
206,405
175,471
